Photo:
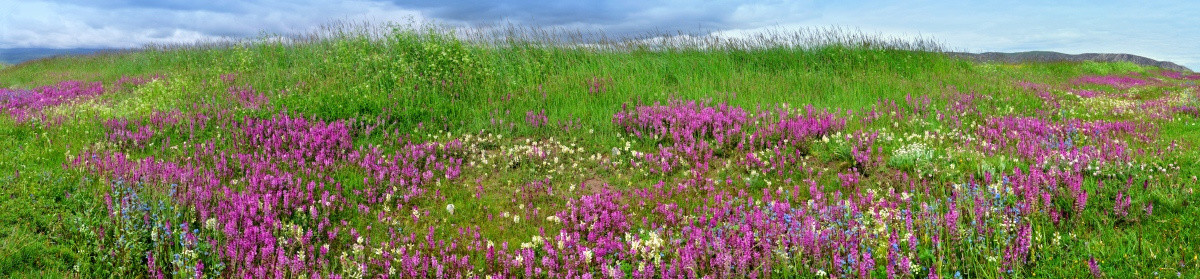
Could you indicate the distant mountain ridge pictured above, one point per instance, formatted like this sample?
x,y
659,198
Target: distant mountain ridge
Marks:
x,y
1051,56
19,55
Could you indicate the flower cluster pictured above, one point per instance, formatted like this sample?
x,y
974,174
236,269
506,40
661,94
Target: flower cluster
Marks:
x,y
1180,75
536,119
25,104
1120,82
1073,144
247,96
138,133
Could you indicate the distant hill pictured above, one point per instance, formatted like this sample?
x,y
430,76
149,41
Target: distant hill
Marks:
x,y
1050,56
18,55
13,56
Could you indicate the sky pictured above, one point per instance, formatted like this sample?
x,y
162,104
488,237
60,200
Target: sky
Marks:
x,y
1161,30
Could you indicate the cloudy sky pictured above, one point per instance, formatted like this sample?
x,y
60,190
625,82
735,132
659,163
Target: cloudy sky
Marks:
x,y
1163,30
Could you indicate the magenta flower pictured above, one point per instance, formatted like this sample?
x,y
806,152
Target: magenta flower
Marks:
x,y
1120,82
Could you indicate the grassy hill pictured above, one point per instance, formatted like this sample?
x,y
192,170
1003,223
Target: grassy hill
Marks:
x,y
417,152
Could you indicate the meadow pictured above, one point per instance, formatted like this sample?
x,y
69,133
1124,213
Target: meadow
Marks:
x,y
425,152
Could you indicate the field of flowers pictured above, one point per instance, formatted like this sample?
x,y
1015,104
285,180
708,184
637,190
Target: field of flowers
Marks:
x,y
422,156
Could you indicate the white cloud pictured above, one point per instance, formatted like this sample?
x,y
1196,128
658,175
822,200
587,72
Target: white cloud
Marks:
x,y
1159,30
66,25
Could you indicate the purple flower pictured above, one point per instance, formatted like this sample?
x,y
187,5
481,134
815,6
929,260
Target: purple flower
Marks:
x,y
1120,82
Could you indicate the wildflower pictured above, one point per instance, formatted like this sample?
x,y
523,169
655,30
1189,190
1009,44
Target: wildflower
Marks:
x,y
210,224
450,208
1121,206
1080,201
1095,268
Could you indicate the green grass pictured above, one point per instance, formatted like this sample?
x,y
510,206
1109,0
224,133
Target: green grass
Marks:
x,y
408,79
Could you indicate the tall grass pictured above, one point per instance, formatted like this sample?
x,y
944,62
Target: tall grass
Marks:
x,y
434,74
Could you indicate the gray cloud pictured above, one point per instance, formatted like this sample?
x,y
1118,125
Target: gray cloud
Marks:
x,y
134,23
172,5
618,17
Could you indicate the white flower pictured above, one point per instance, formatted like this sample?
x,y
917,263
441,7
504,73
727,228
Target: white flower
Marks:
x,y
211,223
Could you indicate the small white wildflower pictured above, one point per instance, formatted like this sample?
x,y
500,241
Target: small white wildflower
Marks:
x,y
450,208
211,224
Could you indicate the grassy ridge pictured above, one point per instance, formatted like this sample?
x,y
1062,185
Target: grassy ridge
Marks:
x,y
349,76
424,83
